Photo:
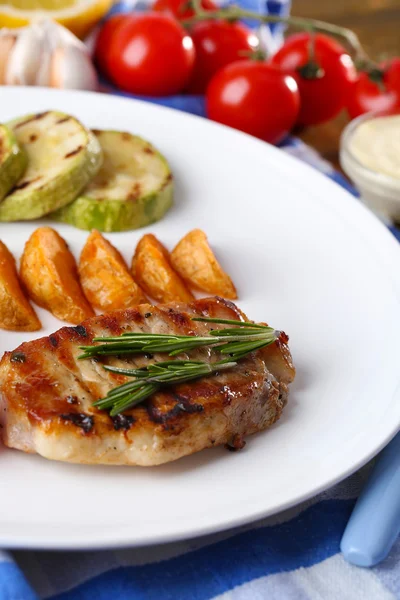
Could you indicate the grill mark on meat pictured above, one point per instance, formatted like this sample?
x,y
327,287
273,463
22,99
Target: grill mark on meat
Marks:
x,y
122,422
85,422
18,357
187,402
53,341
112,324
183,405
133,314
80,330
180,320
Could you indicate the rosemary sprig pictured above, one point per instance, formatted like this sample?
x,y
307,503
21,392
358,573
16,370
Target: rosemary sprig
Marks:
x,y
234,343
145,343
152,378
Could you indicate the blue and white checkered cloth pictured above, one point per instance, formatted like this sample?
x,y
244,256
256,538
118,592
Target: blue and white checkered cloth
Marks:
x,y
291,556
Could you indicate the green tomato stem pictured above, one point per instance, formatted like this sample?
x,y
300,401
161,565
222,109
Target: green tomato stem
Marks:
x,y
232,13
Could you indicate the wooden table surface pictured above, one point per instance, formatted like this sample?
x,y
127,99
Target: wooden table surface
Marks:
x,y
377,23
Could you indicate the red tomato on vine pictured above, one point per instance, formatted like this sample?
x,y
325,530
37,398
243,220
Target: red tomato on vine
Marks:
x,y
255,97
150,54
324,80
379,90
103,42
218,43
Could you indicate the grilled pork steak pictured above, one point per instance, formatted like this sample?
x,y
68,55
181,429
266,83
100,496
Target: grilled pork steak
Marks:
x,y
47,394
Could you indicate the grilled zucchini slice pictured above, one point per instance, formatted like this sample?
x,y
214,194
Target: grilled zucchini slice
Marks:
x,y
133,188
63,156
13,161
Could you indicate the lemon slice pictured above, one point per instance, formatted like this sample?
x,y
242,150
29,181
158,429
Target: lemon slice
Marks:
x,y
79,16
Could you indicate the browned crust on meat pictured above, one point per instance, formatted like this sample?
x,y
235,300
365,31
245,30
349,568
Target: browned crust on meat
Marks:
x,y
46,394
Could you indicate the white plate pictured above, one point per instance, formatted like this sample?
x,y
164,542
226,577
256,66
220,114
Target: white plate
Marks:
x,y
305,256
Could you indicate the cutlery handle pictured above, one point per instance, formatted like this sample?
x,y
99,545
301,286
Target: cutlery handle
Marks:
x,y
375,522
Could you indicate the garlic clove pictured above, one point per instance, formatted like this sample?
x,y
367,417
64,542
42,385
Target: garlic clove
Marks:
x,y
25,59
72,68
7,41
43,73
59,35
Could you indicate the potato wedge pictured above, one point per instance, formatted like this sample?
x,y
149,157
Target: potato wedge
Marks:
x,y
105,277
195,262
16,314
152,270
49,273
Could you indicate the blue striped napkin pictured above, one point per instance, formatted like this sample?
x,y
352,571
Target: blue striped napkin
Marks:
x,y
293,555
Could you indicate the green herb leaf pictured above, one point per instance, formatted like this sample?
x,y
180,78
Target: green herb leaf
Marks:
x,y
235,343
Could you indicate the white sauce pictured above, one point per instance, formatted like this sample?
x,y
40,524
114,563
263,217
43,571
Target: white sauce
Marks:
x,y
376,145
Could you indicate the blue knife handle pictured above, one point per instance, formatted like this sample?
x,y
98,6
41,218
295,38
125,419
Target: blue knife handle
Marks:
x,y
375,522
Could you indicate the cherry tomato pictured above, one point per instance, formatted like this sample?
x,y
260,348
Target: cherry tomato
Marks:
x,y
254,97
323,96
181,8
366,95
218,43
102,47
151,55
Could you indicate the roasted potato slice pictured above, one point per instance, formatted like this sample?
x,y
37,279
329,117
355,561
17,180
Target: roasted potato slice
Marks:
x,y
105,277
49,273
195,262
152,270
16,314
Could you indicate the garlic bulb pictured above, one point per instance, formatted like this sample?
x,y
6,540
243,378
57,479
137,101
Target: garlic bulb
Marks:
x,y
45,54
